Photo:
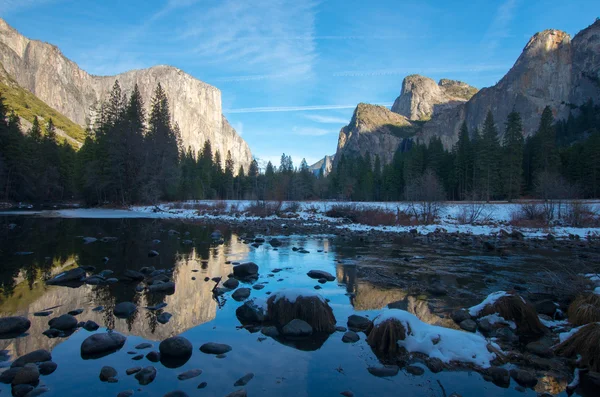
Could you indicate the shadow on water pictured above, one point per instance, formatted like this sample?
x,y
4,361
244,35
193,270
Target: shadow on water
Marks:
x,y
369,277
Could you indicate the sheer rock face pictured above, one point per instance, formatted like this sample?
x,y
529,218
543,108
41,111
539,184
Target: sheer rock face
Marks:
x,y
373,129
42,69
324,165
421,97
552,70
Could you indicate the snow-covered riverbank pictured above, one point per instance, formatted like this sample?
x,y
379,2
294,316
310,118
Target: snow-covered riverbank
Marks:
x,y
494,216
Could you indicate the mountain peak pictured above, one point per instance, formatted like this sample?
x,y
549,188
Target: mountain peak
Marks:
x,y
421,96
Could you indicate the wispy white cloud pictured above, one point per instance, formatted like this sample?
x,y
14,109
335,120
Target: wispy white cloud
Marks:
x,y
425,70
15,6
255,35
310,131
326,119
499,27
294,108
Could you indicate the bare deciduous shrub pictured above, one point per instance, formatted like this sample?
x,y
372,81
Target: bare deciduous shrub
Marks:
x,y
426,196
292,206
529,214
263,209
475,210
341,211
554,189
364,215
578,214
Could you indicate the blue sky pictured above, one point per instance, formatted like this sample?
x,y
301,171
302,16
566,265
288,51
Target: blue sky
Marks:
x,y
291,71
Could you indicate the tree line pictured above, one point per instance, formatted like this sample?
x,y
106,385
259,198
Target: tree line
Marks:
x,y
131,157
561,159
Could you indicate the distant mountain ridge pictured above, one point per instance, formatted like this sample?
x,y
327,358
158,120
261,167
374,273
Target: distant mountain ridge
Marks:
x,y
196,106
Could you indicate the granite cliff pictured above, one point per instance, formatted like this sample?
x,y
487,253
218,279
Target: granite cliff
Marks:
x,y
421,97
42,69
374,129
553,70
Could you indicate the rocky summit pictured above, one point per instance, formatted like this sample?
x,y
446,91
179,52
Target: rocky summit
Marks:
x,y
553,70
41,68
373,129
421,97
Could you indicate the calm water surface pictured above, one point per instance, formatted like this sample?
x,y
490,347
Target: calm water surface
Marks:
x,y
57,244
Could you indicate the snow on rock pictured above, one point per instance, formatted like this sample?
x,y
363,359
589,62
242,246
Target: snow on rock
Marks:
x,y
498,319
490,300
553,323
439,342
563,336
291,294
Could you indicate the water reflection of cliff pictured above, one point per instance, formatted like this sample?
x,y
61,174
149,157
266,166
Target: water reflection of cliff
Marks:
x,y
191,304
365,295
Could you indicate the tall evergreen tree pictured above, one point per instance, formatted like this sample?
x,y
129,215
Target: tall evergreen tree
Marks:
x,y
463,161
487,161
513,147
546,153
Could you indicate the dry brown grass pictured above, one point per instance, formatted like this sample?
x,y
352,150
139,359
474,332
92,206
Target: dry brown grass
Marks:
x,y
514,308
584,309
263,209
363,215
384,338
311,309
585,343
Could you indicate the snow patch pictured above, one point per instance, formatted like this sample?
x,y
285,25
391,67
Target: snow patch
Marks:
x,y
563,336
498,319
490,300
439,342
292,294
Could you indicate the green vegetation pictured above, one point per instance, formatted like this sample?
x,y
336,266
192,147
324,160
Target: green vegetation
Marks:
x,y
28,106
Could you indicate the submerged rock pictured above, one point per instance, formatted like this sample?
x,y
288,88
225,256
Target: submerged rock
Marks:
x,y
246,270
36,356
176,346
153,356
13,326
70,276
243,381
297,327
125,309
192,373
359,323
164,317
215,348
350,337
99,345
241,294
28,375
66,322
107,373
231,283
384,371
320,274
48,367
250,313
167,288
90,325
146,375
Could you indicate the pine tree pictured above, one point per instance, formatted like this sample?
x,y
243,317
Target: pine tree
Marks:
x,y
513,146
487,160
545,153
463,161
163,161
